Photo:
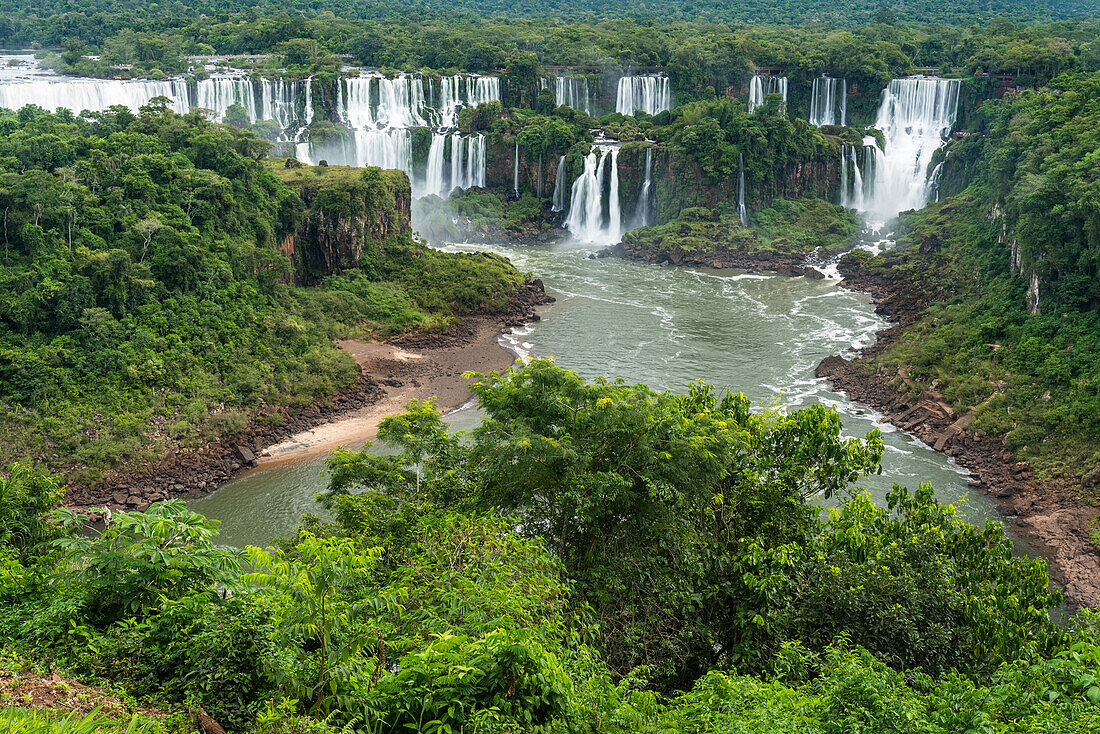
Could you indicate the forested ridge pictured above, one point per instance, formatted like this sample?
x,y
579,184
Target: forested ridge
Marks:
x,y
148,298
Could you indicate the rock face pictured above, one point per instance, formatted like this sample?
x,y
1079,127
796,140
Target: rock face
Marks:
x,y
347,211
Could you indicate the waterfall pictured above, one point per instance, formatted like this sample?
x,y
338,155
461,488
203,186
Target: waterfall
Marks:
x,y
433,174
377,110
614,216
916,115
464,90
515,171
651,94
829,101
851,180
761,86
641,213
570,91
586,212
559,187
308,116
742,212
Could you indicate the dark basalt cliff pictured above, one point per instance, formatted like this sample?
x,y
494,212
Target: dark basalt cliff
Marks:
x,y
346,212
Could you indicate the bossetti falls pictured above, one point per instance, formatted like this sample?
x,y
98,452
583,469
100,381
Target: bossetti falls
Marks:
x,y
588,368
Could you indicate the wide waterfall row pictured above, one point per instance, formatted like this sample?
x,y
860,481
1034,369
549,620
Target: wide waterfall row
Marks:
x,y
375,101
570,91
286,102
829,101
651,94
916,116
761,86
589,219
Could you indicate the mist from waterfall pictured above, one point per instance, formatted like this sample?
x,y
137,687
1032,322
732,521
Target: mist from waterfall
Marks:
x,y
761,86
588,219
829,101
650,93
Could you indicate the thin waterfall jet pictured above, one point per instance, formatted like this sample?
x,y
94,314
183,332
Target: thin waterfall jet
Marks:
x,y
559,187
641,215
515,170
742,212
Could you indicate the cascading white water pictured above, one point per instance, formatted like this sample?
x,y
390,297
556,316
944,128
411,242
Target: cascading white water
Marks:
x,y
851,180
761,86
464,90
587,220
308,117
433,173
829,101
641,210
742,212
651,94
559,187
916,115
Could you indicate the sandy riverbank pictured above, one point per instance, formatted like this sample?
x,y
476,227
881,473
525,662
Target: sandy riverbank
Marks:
x,y
414,365
404,374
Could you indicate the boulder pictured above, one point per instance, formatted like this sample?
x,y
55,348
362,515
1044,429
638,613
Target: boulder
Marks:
x,y
245,455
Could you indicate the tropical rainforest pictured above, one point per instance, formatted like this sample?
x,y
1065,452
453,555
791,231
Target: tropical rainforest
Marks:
x,y
593,555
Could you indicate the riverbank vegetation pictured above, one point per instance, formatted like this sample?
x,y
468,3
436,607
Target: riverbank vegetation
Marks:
x,y
1005,275
593,557
147,298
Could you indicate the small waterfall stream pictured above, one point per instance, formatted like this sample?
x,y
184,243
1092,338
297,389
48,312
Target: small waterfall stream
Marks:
x,y
742,212
559,187
641,209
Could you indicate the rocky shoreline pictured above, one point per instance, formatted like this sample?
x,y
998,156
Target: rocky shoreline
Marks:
x,y
1049,513
190,473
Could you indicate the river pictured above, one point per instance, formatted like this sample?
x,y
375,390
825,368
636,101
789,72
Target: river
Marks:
x,y
762,335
